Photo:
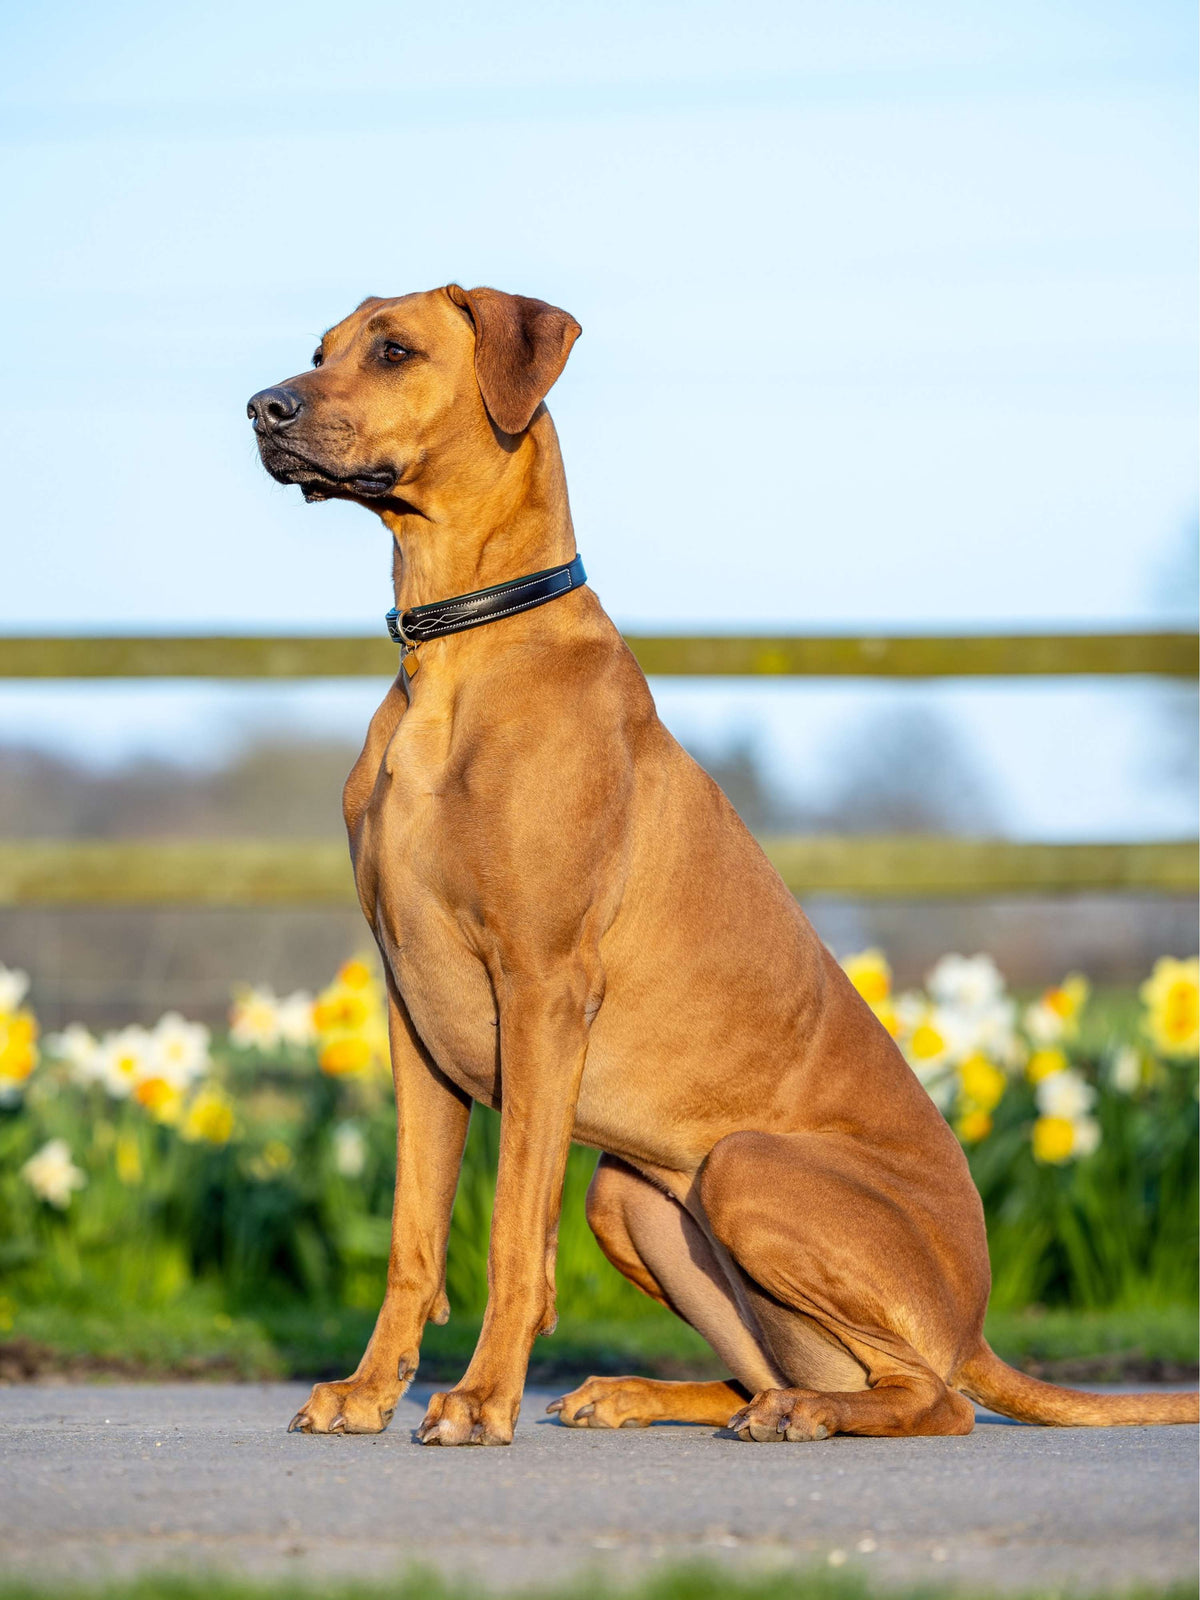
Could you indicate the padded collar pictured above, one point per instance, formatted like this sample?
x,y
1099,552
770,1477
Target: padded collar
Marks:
x,y
421,623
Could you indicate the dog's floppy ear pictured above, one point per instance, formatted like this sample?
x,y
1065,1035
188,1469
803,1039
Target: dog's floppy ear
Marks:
x,y
521,347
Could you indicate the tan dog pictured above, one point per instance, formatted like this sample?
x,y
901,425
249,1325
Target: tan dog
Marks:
x,y
578,929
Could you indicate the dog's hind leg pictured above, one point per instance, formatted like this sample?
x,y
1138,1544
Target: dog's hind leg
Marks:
x,y
890,1265
650,1238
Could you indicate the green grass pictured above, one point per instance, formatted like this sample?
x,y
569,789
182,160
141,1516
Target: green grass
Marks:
x,y
190,1339
694,1582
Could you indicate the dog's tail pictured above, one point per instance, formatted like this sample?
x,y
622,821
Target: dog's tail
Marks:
x,y
1002,1388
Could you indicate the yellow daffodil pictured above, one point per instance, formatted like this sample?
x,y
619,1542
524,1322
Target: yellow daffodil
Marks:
x,y
982,1084
274,1158
345,1053
1053,1140
128,1159
339,1008
926,1044
18,1049
870,974
1171,995
350,1019
1045,1063
973,1126
209,1118
1058,1138
163,1100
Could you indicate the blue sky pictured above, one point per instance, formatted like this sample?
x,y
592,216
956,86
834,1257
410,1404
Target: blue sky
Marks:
x,y
889,320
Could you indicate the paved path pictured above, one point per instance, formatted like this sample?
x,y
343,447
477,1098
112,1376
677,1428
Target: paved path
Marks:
x,y
111,1479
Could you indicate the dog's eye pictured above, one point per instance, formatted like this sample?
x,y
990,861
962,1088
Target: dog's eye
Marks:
x,y
395,353
317,357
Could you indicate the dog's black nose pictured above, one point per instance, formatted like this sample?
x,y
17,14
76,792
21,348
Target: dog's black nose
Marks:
x,y
273,408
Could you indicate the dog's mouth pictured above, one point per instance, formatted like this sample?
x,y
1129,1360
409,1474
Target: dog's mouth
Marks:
x,y
317,482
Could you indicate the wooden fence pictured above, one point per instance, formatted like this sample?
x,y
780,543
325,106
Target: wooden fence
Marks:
x,y
263,872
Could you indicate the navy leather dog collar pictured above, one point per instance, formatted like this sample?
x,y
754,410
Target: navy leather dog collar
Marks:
x,y
422,623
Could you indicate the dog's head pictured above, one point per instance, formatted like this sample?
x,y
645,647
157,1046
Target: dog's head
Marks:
x,y
403,390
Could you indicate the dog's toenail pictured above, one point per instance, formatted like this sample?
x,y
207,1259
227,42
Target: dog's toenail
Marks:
x,y
554,1407
586,1411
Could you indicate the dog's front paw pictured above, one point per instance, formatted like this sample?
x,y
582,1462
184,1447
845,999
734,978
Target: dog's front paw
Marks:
x,y
607,1403
778,1414
464,1416
350,1406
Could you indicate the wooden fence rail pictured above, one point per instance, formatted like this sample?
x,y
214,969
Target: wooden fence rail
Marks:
x,y
1175,655
257,872
263,872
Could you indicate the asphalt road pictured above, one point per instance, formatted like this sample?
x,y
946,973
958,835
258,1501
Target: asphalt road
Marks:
x,y
110,1479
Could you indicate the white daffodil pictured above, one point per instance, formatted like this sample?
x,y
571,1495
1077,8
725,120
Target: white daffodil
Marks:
x,y
1043,1023
178,1050
124,1059
968,983
349,1149
911,1009
940,1083
52,1175
80,1050
1087,1136
14,986
1125,1070
254,1022
1065,1094
295,1019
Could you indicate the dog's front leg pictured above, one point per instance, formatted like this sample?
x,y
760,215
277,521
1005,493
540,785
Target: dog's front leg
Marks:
x,y
431,1128
543,1040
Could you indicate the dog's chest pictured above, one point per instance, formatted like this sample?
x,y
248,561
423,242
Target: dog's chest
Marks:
x,y
414,885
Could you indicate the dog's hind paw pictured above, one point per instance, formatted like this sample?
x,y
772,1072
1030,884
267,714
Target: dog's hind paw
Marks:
x,y
607,1403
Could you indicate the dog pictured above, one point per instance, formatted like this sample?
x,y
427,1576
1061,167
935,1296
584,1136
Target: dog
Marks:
x,y
578,930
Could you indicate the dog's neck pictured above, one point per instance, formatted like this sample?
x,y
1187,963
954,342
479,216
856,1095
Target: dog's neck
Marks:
x,y
516,522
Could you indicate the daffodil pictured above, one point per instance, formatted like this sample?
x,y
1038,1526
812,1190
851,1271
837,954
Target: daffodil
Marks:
x,y
1065,1094
350,1020
1171,995
124,1060
128,1158
254,1018
274,1158
52,1175
349,1149
179,1050
80,1050
296,1019
18,1050
14,986
1045,1063
970,983
973,1126
209,1118
1125,1070
1053,1140
1058,1139
981,1083
344,1053
870,974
